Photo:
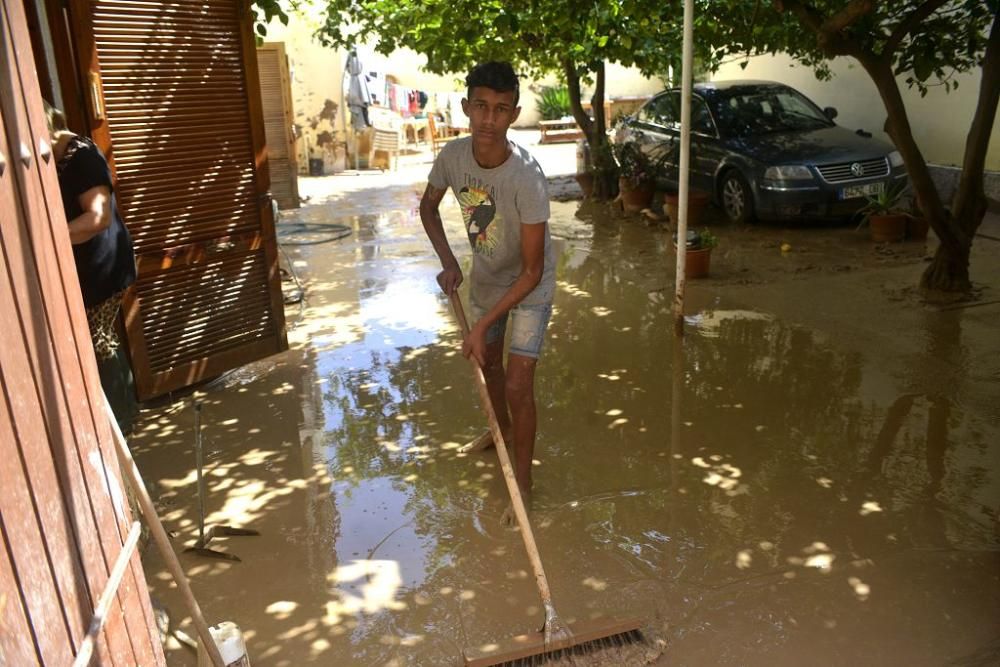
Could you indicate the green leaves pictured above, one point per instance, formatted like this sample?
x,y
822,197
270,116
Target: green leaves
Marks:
x,y
923,66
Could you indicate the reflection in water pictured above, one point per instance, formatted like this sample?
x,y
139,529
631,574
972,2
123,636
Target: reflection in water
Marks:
x,y
753,479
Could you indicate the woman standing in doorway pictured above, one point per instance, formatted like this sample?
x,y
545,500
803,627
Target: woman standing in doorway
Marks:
x,y
102,249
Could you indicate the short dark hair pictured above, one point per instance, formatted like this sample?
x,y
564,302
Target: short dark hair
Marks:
x,y
496,75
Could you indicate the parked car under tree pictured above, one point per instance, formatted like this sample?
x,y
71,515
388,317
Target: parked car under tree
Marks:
x,y
764,150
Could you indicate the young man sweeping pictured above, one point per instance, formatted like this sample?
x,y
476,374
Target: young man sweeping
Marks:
x,y
505,206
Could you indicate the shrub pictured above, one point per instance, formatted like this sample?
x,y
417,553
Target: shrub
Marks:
x,y
553,102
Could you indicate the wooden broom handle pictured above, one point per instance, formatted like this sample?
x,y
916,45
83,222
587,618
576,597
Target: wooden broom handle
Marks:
x,y
508,471
131,472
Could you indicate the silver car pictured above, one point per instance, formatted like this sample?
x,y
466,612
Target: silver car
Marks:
x,y
764,150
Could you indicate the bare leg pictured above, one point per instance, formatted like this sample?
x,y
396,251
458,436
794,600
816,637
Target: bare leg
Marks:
x,y
520,391
495,380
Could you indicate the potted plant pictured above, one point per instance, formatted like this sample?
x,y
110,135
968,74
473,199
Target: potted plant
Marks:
x,y
885,215
699,252
666,162
636,176
697,201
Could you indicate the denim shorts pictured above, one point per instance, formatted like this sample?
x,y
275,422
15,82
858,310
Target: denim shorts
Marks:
x,y
527,330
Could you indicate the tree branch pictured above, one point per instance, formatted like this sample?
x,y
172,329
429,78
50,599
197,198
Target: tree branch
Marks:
x,y
806,14
575,103
831,41
909,23
597,103
970,200
854,10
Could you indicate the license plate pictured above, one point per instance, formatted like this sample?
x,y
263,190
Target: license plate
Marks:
x,y
866,190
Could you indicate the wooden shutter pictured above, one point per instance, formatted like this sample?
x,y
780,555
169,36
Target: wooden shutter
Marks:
x,y
276,101
63,516
174,101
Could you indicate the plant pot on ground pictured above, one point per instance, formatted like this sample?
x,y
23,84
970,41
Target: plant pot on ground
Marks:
x,y
635,197
636,176
885,215
698,253
586,182
697,201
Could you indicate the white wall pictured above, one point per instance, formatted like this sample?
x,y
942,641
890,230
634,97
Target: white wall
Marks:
x,y
619,82
940,121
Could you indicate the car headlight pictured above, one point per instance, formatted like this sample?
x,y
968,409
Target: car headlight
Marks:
x,y
895,159
793,172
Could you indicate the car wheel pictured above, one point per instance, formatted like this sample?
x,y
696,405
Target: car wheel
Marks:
x,y
737,199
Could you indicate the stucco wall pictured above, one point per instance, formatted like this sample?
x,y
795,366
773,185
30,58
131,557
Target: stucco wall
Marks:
x,y
316,83
940,121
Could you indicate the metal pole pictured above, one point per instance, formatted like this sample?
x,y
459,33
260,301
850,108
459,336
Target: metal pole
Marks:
x,y
198,465
685,166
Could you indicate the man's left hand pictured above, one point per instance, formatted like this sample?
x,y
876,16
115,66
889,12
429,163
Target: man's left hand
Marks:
x,y
474,345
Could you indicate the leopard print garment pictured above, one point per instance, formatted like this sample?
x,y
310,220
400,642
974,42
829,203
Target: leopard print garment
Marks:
x,y
101,319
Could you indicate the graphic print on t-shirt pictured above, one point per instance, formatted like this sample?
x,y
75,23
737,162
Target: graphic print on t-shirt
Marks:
x,y
479,210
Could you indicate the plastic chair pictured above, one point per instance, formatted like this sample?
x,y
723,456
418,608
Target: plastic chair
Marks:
x,y
437,139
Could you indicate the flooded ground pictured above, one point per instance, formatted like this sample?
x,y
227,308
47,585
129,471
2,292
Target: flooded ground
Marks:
x,y
810,478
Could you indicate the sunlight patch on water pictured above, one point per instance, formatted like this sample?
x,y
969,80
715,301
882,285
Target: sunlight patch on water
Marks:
x,y
365,587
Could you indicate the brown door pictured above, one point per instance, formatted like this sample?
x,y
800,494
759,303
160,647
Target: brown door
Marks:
x,y
276,101
173,99
62,511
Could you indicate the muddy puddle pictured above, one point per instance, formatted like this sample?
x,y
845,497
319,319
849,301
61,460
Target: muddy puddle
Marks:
x,y
762,494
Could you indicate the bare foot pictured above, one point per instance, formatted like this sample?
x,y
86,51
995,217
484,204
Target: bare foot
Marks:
x,y
483,442
509,518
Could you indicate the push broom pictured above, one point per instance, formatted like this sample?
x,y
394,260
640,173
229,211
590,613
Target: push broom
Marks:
x,y
556,638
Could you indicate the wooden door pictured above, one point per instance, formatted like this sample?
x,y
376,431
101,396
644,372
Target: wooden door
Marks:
x,y
173,97
63,516
276,101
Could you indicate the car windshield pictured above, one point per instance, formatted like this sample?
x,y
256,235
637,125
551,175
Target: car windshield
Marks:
x,y
765,111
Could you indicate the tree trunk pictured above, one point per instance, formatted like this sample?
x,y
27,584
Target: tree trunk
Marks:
x,y
946,272
605,180
949,271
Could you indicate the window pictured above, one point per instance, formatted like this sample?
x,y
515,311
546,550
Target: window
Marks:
x,y
701,119
661,111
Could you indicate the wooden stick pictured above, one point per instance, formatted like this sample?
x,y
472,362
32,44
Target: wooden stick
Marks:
x,y
553,626
162,541
86,651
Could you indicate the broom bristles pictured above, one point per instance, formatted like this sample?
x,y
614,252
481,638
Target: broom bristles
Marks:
x,y
588,637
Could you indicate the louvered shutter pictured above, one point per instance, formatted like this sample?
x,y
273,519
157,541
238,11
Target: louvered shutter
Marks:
x,y
174,101
276,102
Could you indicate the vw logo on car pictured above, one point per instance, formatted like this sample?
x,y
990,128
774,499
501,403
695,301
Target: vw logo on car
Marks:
x,y
857,169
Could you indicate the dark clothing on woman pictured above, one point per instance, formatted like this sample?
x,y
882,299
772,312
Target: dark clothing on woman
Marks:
x,y
105,264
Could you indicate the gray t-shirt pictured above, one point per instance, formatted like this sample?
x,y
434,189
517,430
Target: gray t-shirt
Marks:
x,y
495,203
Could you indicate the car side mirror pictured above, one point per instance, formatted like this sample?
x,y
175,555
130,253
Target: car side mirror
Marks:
x,y
830,112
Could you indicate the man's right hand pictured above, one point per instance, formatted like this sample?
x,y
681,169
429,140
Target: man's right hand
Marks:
x,y
449,279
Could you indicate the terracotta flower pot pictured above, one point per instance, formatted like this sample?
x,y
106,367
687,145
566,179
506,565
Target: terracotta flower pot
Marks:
x,y
887,228
586,182
635,199
917,228
697,262
697,201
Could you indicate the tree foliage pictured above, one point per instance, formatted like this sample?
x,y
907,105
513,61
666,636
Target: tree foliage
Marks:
x,y
565,37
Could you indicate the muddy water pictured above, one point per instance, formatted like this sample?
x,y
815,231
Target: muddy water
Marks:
x,y
760,494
